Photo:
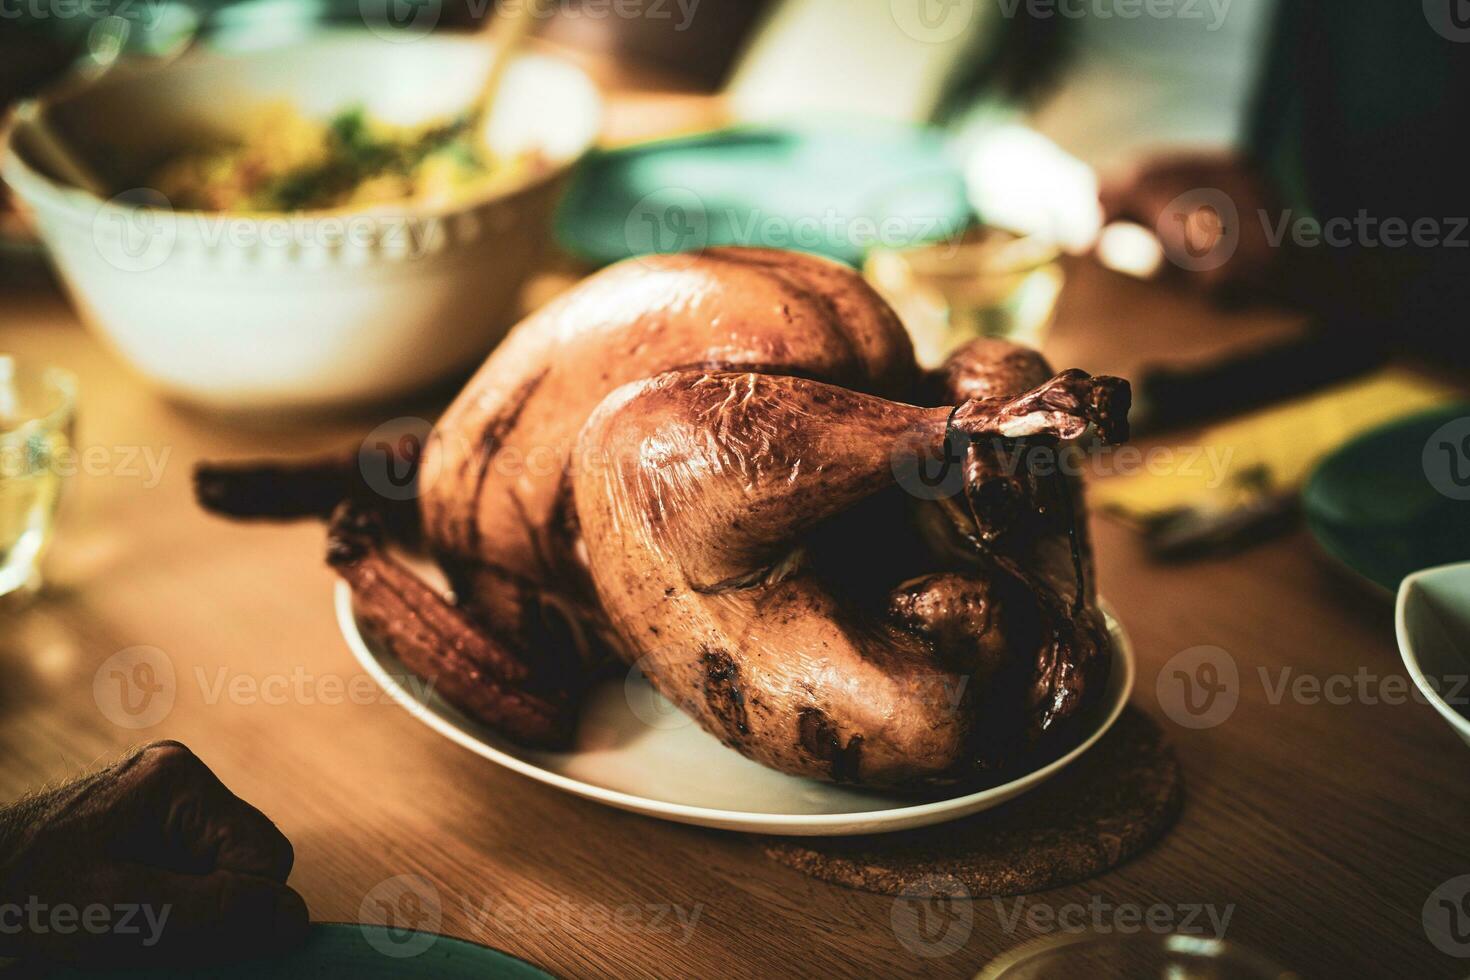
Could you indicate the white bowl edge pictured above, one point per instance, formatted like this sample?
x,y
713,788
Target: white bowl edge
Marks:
x,y
1411,658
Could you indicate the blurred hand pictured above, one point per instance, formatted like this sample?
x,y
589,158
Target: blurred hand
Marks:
x,y
1206,209
149,861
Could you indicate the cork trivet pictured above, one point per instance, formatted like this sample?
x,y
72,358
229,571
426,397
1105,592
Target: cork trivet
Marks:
x,y
1107,806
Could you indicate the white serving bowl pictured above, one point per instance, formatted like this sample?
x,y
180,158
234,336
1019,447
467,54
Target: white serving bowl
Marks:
x,y
1432,617
313,309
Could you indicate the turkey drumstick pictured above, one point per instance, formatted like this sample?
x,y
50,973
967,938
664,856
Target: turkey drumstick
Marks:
x,y
709,483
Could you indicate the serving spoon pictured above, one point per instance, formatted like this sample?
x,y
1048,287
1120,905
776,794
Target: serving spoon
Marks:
x,y
55,151
506,32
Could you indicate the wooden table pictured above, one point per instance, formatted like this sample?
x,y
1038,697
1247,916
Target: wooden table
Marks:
x,y
1322,828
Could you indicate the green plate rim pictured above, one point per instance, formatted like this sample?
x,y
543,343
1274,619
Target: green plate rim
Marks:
x,y
563,223
1326,542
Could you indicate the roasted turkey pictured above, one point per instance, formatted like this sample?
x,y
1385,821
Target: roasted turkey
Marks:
x,y
727,470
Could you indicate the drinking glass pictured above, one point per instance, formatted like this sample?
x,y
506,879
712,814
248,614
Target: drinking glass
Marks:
x,y
1141,956
987,283
37,408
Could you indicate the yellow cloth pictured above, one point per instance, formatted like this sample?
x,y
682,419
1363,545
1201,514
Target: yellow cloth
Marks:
x,y
1273,449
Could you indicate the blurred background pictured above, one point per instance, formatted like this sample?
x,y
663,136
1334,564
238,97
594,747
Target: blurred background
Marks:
x,y
1281,174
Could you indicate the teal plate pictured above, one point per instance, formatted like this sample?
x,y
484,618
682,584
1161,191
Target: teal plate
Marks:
x,y
837,189
354,952
1372,505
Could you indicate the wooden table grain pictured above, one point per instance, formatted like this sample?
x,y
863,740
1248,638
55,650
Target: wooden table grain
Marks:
x,y
1319,828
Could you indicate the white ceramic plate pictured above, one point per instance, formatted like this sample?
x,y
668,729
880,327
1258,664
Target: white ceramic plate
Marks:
x,y
637,752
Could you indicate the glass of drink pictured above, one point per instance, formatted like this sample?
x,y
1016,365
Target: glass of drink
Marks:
x,y
1138,956
37,408
987,283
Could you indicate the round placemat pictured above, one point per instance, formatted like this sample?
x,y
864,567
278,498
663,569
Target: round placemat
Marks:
x,y
1102,810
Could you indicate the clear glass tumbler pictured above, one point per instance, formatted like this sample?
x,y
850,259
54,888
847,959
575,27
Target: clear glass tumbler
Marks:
x,y
37,409
1139,956
987,283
